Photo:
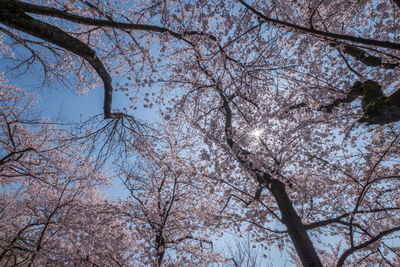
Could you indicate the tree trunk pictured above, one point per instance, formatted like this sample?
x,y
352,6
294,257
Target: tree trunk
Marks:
x,y
297,232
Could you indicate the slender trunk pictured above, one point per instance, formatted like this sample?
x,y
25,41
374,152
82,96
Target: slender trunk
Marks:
x,y
160,246
297,232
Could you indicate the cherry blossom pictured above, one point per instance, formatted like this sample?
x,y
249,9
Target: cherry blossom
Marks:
x,y
277,118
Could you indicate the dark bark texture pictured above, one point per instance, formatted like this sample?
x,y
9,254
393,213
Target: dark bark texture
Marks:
x,y
296,228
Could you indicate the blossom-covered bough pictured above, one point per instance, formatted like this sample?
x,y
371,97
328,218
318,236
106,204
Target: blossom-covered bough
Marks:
x,y
377,108
293,106
14,14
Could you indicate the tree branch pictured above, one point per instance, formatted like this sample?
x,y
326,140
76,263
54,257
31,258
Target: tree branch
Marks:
x,y
366,58
53,12
385,44
397,2
6,157
365,244
355,91
12,14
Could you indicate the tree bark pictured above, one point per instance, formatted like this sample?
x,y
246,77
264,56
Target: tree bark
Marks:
x,y
297,232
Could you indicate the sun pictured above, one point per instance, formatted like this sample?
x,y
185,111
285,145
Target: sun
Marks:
x,y
257,133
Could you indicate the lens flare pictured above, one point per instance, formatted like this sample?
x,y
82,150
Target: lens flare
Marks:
x,y
257,133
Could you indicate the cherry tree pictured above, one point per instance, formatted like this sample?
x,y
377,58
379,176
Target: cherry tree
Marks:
x,y
61,226
271,124
296,102
170,211
52,209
